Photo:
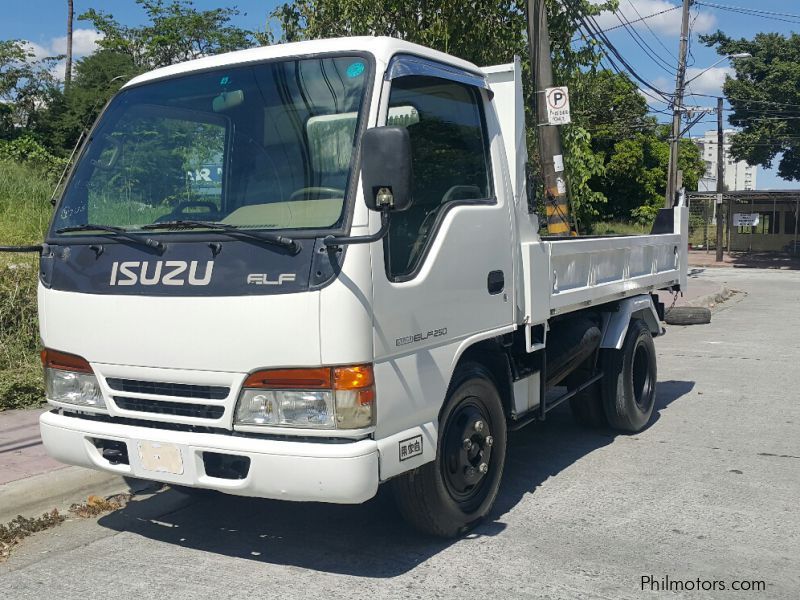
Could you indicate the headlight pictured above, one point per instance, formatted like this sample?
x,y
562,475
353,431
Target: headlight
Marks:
x,y
324,398
70,379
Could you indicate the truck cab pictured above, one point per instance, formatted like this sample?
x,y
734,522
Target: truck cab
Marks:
x,y
300,271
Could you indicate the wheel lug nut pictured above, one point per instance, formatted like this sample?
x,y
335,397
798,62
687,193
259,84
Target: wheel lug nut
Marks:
x,y
467,444
489,440
483,468
478,426
470,471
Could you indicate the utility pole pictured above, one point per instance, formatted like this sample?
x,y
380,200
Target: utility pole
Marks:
x,y
68,67
550,154
677,108
720,177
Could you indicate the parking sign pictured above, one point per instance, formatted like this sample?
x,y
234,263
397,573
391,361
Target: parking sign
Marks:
x,y
557,100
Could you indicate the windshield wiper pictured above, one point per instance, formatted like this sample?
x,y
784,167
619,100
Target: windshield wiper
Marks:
x,y
117,231
276,240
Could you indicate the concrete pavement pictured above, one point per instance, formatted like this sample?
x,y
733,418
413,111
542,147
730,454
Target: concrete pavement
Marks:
x,y
30,481
708,492
21,452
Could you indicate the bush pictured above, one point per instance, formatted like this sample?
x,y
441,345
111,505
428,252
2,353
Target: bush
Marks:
x,y
24,203
24,213
20,369
28,151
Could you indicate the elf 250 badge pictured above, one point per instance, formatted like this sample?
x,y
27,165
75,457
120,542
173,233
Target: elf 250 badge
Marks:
x,y
420,337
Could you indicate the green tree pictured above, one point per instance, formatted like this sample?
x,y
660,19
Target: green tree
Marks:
x,y
96,79
765,97
176,31
483,32
26,86
631,146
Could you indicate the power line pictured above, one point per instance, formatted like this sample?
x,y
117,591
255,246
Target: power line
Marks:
x,y
655,14
765,14
644,22
646,48
589,25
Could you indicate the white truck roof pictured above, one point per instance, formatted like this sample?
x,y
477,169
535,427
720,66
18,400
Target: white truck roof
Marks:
x,y
383,48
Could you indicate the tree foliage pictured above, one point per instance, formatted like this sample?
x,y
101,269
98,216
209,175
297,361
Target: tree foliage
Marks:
x,y
765,97
176,31
483,32
26,84
631,145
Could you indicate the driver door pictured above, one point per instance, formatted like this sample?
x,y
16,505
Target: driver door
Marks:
x,y
444,272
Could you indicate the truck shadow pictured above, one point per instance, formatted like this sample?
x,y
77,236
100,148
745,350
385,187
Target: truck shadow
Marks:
x,y
369,540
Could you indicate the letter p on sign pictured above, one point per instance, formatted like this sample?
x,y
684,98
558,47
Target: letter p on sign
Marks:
x,y
557,100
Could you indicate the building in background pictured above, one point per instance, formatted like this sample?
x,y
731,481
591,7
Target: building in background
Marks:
x,y
739,176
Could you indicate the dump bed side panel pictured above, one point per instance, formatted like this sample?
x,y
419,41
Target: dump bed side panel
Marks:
x,y
580,272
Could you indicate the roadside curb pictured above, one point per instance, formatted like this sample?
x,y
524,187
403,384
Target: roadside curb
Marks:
x,y
711,300
35,495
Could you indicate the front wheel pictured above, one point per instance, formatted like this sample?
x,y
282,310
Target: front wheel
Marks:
x,y
450,495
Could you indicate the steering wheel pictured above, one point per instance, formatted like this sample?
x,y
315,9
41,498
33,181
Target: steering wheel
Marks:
x,y
116,151
461,192
179,212
308,191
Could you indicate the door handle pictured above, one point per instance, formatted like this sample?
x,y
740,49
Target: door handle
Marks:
x,y
495,282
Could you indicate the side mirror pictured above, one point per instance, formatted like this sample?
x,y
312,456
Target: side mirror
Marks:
x,y
386,168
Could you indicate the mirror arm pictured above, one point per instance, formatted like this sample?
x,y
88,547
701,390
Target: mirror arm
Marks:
x,y
334,241
21,249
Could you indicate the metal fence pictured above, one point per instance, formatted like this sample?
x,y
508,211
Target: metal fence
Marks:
x,y
750,221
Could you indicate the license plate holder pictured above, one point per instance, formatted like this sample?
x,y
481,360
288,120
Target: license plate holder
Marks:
x,y
161,457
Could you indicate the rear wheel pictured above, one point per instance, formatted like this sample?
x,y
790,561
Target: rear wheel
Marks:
x,y
450,495
629,381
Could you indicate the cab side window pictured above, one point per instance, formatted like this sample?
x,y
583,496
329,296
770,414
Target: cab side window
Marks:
x,y
450,160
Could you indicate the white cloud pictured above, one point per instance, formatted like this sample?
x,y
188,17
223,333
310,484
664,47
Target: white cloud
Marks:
x,y
37,50
709,82
84,41
668,24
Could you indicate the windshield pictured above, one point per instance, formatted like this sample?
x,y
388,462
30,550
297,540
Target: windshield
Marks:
x,y
263,146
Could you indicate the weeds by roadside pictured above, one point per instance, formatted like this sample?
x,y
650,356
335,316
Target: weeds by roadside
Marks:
x,y
97,505
20,369
21,527
13,532
24,212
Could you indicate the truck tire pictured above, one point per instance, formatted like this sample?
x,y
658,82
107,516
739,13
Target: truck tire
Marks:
x,y
688,315
587,406
450,495
629,382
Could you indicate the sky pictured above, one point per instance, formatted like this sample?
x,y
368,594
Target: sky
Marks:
x,y
43,23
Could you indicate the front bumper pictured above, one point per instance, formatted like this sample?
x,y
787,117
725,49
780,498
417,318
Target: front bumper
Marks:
x,y
344,473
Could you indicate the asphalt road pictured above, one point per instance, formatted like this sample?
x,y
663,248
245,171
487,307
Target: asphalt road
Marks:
x,y
709,491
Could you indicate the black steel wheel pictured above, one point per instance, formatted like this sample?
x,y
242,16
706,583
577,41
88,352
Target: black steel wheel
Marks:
x,y
629,382
451,495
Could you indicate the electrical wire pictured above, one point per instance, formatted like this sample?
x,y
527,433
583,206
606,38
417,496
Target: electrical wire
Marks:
x,y
644,22
642,43
589,25
766,14
655,14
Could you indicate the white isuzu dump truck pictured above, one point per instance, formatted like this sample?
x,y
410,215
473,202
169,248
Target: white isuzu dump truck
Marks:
x,y
301,271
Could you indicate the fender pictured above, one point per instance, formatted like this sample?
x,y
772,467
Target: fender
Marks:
x,y
615,324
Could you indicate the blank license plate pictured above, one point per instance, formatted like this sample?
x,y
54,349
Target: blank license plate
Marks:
x,y
161,458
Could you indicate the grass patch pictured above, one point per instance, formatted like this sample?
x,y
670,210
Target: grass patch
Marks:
x,y
619,228
24,203
24,213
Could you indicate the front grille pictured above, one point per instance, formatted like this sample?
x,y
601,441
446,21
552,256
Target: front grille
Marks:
x,y
177,409
180,390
